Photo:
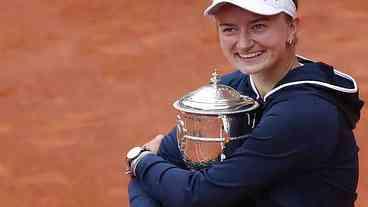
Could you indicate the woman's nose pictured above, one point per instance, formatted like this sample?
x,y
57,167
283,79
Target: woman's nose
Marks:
x,y
244,42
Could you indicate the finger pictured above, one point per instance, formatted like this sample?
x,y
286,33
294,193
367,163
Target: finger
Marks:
x,y
128,171
160,136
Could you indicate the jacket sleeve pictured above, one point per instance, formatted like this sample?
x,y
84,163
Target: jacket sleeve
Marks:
x,y
169,150
139,198
284,141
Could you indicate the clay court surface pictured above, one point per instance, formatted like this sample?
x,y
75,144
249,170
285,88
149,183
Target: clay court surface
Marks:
x,y
83,81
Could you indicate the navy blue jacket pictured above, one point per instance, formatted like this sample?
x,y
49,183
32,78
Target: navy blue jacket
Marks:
x,y
302,152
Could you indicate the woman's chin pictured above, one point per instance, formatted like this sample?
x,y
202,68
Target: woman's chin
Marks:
x,y
250,68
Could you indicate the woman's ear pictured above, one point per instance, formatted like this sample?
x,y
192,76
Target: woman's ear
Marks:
x,y
293,26
293,32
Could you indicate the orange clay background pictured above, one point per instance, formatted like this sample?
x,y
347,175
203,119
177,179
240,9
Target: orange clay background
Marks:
x,y
82,81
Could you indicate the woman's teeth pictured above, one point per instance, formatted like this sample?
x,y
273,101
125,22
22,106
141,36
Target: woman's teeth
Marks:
x,y
251,55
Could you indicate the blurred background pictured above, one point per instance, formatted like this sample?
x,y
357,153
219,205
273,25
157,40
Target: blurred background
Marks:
x,y
83,81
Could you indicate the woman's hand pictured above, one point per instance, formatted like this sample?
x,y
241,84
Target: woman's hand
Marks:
x,y
154,144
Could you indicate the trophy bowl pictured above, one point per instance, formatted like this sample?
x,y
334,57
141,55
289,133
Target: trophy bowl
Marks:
x,y
211,122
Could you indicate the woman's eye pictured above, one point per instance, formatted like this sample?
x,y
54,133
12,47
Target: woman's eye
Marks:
x,y
258,27
228,30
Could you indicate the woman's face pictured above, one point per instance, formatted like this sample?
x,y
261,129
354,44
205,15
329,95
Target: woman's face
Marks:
x,y
254,43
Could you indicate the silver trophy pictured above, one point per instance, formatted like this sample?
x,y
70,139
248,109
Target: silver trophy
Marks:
x,y
211,122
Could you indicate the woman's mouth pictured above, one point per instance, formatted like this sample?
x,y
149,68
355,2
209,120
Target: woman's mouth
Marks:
x,y
247,56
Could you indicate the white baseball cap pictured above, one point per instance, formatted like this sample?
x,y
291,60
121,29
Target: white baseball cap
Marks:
x,y
262,7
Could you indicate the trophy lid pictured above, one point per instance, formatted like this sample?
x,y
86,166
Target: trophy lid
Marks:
x,y
215,99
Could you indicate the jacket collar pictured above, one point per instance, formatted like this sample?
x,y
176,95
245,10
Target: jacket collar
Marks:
x,y
310,73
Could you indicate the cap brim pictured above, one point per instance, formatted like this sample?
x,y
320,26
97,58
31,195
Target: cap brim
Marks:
x,y
251,6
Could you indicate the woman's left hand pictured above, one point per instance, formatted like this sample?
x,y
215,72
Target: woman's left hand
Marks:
x,y
154,144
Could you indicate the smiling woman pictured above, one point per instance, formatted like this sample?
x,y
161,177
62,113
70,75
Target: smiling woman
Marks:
x,y
302,151
256,44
